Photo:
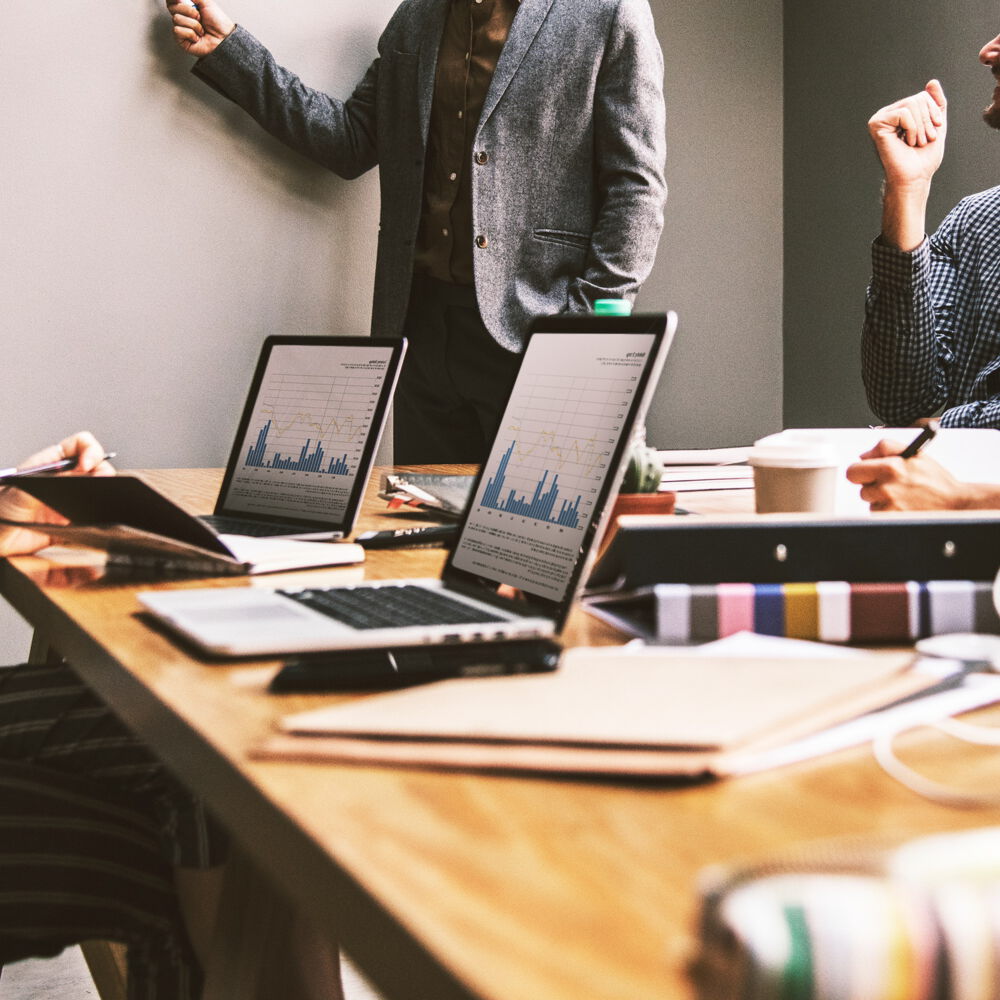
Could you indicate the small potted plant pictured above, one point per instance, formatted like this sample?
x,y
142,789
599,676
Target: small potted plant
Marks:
x,y
640,489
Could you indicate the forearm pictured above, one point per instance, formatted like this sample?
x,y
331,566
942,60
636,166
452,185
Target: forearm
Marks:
x,y
904,214
339,135
979,496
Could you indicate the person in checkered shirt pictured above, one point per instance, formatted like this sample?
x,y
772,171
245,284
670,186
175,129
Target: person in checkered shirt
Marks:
x,y
931,340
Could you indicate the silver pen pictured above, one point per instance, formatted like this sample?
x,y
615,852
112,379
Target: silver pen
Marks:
x,y
62,465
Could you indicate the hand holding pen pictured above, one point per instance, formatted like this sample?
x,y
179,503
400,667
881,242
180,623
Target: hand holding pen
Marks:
x,y
80,455
925,437
894,477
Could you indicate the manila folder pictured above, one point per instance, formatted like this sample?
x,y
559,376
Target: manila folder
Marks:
x,y
675,717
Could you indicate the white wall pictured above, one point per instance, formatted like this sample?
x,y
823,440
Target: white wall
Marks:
x,y
152,235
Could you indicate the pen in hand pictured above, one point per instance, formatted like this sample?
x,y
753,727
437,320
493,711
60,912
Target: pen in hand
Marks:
x,y
63,465
923,438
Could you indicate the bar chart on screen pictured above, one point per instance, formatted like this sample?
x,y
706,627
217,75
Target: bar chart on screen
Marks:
x,y
551,458
542,504
308,428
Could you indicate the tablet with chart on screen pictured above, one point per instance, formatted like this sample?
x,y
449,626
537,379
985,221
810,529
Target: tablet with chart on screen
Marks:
x,y
307,436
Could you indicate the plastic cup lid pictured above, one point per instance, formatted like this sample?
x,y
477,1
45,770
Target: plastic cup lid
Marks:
x,y
793,451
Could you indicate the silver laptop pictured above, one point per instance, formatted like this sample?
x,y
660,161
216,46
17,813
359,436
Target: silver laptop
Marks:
x,y
307,437
534,519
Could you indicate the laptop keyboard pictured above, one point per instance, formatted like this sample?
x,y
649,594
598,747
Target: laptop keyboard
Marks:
x,y
257,529
390,607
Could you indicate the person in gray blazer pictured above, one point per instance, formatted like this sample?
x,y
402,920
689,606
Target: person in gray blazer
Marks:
x,y
520,147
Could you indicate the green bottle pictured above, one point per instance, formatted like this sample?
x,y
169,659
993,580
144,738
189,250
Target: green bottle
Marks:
x,y
612,307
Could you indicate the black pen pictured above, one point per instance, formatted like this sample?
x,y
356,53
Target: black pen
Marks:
x,y
926,435
62,465
437,534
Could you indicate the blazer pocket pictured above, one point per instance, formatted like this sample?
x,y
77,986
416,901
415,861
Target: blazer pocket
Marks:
x,y
578,241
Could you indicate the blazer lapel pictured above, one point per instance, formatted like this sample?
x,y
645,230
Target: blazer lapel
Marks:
x,y
428,46
522,33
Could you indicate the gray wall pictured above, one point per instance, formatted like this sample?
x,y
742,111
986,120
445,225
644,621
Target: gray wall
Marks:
x,y
152,235
843,62
720,259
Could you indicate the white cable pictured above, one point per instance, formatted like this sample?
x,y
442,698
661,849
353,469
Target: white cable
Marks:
x,y
884,751
987,736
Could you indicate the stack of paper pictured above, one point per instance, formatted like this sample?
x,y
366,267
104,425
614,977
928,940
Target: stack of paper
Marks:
x,y
689,469
704,456
687,478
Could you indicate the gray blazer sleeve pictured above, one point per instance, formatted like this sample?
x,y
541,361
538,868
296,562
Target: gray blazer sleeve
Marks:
x,y
339,135
630,145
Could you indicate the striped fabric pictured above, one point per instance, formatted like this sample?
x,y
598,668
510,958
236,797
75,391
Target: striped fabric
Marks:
x,y
48,717
828,611
91,825
77,863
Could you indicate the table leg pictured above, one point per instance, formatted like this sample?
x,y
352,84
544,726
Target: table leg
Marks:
x,y
262,949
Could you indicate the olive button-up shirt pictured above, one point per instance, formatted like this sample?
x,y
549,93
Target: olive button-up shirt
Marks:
x,y
474,35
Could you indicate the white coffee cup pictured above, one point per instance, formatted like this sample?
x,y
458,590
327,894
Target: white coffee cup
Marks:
x,y
794,471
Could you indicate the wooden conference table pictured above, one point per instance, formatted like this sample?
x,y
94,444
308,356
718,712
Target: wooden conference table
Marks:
x,y
455,886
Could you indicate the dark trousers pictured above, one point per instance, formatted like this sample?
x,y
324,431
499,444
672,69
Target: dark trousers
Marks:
x,y
91,825
455,380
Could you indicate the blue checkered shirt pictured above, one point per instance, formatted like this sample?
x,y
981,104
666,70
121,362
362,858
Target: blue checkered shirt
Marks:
x,y
932,322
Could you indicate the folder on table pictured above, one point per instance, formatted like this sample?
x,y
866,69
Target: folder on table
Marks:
x,y
606,715
800,548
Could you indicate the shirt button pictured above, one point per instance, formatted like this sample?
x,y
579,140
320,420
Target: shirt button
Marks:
x,y
453,176
482,157
444,232
460,114
482,242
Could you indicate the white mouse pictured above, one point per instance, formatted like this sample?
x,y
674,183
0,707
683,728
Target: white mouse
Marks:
x,y
971,647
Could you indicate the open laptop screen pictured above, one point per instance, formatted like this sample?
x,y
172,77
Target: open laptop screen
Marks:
x,y
309,430
583,385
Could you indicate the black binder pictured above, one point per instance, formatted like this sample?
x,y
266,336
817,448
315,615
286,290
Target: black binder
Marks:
x,y
883,548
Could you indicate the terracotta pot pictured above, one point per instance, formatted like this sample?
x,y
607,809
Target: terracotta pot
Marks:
x,y
638,503
643,503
